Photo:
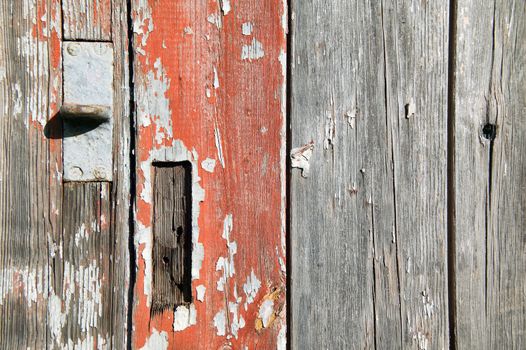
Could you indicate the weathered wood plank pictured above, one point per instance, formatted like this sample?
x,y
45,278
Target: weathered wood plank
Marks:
x,y
47,308
87,19
490,174
368,224
209,88
120,189
172,236
83,284
30,169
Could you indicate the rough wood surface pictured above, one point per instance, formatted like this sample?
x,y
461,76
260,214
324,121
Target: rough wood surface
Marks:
x,y
172,236
368,223
30,171
88,19
490,175
83,283
59,284
209,89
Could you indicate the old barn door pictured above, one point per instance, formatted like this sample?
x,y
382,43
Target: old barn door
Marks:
x,y
142,174
209,84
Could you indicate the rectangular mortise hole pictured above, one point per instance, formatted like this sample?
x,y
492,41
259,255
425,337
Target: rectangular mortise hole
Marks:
x,y
172,235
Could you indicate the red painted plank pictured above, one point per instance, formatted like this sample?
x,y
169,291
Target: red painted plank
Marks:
x,y
209,86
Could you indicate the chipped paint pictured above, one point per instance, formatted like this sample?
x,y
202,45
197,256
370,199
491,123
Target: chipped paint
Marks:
x,y
184,317
254,51
200,291
226,264
216,79
300,158
251,288
246,28
225,6
215,19
201,116
208,165
156,341
220,323
237,321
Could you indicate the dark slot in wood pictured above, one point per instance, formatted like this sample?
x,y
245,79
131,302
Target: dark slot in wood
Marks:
x,y
172,236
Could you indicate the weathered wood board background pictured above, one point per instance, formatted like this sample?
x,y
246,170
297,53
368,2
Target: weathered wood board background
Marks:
x,y
405,187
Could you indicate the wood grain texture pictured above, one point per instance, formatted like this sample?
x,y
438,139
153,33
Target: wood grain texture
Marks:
x,y
172,236
209,88
88,19
368,224
60,286
490,175
30,170
83,281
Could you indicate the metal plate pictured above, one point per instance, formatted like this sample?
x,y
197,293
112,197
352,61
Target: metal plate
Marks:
x,y
88,81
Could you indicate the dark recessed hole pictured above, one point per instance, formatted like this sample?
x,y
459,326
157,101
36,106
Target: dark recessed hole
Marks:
x,y
179,231
166,260
489,131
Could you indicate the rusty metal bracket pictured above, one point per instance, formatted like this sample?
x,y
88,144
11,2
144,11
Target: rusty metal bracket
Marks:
x,y
87,111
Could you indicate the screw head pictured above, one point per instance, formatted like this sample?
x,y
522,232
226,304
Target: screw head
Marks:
x,y
75,172
99,173
73,49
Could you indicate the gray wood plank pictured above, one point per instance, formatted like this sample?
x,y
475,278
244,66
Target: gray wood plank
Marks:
x,y
120,189
490,175
368,224
87,19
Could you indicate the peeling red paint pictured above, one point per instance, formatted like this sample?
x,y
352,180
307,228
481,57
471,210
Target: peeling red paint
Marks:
x,y
176,50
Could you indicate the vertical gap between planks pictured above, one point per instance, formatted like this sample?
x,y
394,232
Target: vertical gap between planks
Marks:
x,y
133,165
451,193
288,171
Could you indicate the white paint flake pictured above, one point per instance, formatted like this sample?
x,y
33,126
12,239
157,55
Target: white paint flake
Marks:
x,y
226,264
143,22
254,51
300,158
216,79
184,317
237,322
225,6
208,164
266,310
217,137
246,28
200,292
220,323
156,341
215,19
251,288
